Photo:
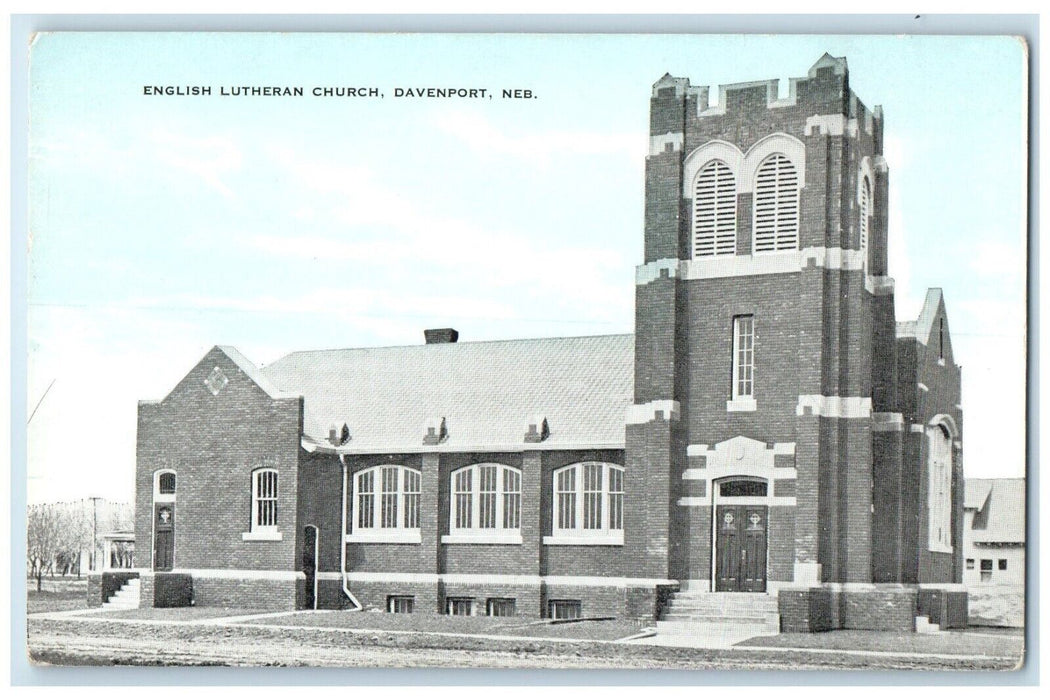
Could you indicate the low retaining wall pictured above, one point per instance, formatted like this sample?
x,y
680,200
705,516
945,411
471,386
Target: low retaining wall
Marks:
x,y
102,586
826,607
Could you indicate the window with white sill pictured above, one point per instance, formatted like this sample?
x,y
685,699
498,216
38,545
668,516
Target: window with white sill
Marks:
x,y
587,504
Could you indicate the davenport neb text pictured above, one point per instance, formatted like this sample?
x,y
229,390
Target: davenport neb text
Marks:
x,y
770,428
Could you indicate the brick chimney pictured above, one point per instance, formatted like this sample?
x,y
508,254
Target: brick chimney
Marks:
x,y
440,335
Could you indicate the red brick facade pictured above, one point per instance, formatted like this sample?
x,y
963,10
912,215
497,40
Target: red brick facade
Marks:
x,y
833,429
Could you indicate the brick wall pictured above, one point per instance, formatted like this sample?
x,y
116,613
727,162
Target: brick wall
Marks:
x,y
214,443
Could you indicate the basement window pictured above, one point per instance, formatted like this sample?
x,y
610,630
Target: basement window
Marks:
x,y
400,603
1002,565
461,606
501,607
564,609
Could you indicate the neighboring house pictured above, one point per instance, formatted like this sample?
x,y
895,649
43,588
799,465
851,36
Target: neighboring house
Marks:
x,y
769,428
994,532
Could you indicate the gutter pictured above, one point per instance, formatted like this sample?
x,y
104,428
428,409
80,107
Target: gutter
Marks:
x,y
342,544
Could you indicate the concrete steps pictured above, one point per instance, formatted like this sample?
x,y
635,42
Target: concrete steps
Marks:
x,y
734,612
126,598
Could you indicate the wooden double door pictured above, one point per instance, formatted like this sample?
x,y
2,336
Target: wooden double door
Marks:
x,y
740,542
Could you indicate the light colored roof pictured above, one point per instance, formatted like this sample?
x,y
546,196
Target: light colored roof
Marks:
x,y
922,327
1001,518
249,368
486,391
976,493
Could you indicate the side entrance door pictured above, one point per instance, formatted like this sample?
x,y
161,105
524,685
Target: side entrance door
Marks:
x,y
740,540
163,536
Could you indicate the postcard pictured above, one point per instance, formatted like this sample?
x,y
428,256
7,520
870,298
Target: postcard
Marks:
x,y
527,350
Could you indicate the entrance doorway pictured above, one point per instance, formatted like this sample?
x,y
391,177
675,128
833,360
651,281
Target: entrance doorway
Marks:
x,y
309,567
740,536
163,536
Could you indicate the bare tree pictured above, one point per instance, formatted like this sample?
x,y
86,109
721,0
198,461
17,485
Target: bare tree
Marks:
x,y
44,539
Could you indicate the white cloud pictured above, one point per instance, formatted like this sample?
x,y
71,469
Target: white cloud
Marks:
x,y
210,158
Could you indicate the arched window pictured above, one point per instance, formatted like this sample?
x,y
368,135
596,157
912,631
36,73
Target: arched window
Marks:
x,y
940,488
386,498
714,211
164,486
264,500
865,216
485,497
776,205
588,501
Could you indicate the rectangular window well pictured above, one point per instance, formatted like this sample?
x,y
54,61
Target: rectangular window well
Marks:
x,y
501,607
564,609
400,603
460,606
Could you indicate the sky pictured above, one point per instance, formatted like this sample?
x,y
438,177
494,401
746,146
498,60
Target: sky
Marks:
x,y
161,226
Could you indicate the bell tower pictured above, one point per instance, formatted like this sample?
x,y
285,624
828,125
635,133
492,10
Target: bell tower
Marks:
x,y
764,337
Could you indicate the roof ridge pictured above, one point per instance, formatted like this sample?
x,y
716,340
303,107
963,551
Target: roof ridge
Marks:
x,y
459,343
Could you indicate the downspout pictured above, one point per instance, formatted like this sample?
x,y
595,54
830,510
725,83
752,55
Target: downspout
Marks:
x,y
342,543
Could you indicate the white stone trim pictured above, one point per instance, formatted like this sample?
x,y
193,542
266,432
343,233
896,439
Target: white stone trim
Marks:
x,y
696,450
783,448
724,151
741,405
658,143
646,273
699,501
482,537
262,535
253,574
694,474
780,262
390,536
832,125
639,414
791,147
834,406
493,579
878,285
833,258
922,387
606,538
785,473
887,422
917,428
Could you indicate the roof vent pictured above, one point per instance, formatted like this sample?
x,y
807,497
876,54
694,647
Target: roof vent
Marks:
x,y
339,437
537,431
440,335
435,432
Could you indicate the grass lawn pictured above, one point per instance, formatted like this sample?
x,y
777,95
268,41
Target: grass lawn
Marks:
x,y
56,595
510,626
949,643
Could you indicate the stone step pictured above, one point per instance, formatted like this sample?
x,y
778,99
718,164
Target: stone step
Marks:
x,y
700,604
771,620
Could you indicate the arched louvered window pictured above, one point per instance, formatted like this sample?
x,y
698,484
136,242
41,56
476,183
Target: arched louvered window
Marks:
x,y
939,463
714,211
865,215
776,205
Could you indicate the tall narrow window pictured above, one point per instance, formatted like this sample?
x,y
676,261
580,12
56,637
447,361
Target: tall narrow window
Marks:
x,y
939,464
714,211
588,502
743,357
485,498
776,205
387,498
865,215
264,499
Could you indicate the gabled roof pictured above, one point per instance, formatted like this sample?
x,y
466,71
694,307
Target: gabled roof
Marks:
x,y
485,391
922,328
249,368
1001,516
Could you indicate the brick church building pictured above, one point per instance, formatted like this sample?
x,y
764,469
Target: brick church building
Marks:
x,y
769,431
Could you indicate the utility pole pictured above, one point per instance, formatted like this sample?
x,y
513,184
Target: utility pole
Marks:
x,y
94,530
